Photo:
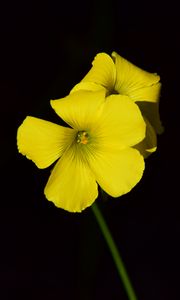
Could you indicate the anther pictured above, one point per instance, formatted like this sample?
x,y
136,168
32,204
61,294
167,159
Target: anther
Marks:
x,y
82,137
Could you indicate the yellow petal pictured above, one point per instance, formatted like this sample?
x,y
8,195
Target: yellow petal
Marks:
x,y
117,172
149,144
131,78
148,93
71,185
43,142
87,86
151,112
121,123
103,71
80,109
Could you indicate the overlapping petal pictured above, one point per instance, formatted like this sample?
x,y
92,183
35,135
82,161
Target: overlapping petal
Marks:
x,y
149,144
151,112
117,172
116,74
134,82
71,185
148,93
81,109
103,71
88,86
121,123
43,142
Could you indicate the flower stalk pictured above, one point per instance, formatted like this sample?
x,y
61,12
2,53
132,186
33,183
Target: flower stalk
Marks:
x,y
114,252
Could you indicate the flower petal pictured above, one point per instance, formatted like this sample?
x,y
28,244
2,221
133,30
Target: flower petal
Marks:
x,y
87,86
103,71
117,172
121,123
151,112
131,78
71,185
43,142
80,109
149,144
148,93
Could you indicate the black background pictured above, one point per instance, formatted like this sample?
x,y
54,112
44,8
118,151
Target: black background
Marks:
x,y
45,252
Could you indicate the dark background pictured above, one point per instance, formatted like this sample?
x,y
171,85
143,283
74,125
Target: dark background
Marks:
x,y
45,252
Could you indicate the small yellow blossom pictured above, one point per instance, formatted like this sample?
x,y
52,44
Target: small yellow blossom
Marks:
x,y
118,76
96,148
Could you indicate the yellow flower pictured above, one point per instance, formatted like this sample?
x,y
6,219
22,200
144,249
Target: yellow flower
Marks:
x,y
118,76
96,148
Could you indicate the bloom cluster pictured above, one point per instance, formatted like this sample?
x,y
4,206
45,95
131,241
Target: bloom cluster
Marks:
x,y
113,119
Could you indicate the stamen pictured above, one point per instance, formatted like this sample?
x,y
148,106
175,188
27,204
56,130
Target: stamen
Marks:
x,y
82,137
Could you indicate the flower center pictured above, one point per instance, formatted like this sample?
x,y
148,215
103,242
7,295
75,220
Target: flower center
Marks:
x,y
82,137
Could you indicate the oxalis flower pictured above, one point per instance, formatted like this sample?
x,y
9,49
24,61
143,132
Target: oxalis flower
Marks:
x,y
97,148
118,76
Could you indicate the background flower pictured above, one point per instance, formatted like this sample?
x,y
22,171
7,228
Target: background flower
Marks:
x,y
119,76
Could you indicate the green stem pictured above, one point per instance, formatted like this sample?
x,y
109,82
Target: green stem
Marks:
x,y
114,251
